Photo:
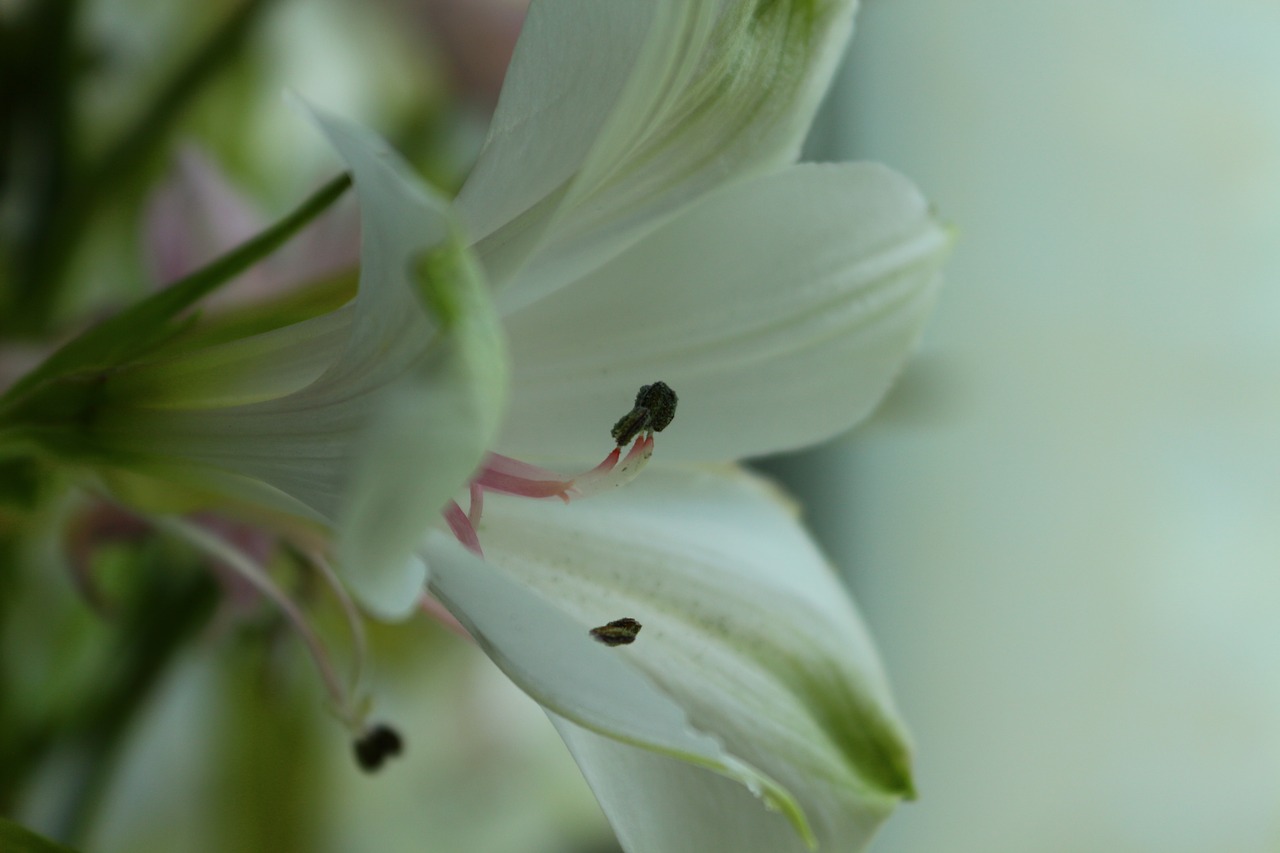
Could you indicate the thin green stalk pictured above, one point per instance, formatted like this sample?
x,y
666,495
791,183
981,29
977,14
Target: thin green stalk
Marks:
x,y
36,130
116,339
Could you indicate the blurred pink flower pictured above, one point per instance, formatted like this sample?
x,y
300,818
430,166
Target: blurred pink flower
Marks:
x,y
197,215
475,38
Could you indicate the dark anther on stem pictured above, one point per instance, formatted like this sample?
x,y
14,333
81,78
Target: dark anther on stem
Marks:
x,y
630,425
655,407
620,632
376,745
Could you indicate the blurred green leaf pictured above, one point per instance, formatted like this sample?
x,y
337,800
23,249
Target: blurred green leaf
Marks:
x,y
19,483
18,839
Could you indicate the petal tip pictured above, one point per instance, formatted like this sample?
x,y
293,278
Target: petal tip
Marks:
x,y
389,592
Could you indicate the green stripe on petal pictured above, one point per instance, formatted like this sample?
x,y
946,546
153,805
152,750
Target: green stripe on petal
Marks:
x,y
745,628
456,397
552,657
710,92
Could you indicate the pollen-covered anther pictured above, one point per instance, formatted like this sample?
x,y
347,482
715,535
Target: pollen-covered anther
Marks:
x,y
620,632
654,409
376,745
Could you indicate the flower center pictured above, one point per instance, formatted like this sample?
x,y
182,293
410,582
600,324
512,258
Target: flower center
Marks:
x,y
654,409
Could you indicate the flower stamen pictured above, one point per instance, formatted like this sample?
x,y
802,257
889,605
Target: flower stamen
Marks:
x,y
355,624
654,409
508,476
376,745
620,632
345,703
463,528
476,508
613,473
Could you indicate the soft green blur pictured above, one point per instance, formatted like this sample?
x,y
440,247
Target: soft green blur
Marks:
x,y
240,755
1063,526
182,715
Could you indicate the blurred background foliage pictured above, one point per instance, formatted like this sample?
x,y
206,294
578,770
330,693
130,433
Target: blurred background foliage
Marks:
x,y
147,700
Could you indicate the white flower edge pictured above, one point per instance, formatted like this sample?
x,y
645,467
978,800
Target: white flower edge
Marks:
x,y
553,659
436,422
780,309
616,113
745,630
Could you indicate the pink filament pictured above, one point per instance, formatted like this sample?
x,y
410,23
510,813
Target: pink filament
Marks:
x,y
509,476
437,611
476,508
462,528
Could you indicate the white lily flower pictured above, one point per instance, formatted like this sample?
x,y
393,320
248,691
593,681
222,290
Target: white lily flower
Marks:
x,y
637,209
671,240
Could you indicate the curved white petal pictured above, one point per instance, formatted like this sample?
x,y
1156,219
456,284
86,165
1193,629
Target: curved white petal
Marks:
x,y
570,65
553,658
658,804
778,309
394,425
401,218
688,96
744,626
424,320
266,365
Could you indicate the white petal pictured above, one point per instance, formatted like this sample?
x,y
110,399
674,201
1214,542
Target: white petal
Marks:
x,y
400,219
716,91
778,309
553,658
744,626
393,426
428,432
569,67
657,804
271,364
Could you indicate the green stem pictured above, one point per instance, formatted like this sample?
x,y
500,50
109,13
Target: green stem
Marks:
x,y
36,129
133,330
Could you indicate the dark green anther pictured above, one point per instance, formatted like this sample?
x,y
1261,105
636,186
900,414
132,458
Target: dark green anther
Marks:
x,y
630,425
376,745
655,407
620,632
661,401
